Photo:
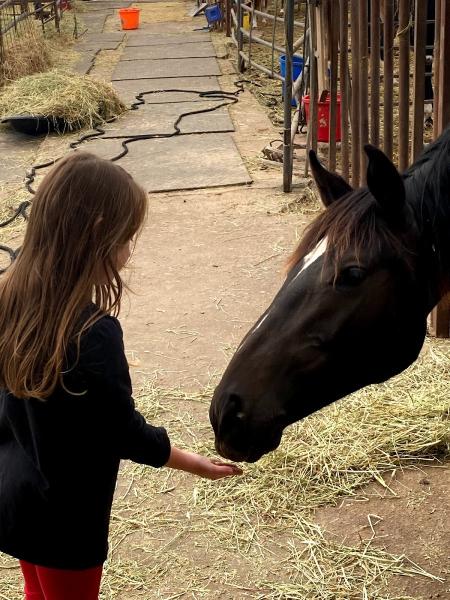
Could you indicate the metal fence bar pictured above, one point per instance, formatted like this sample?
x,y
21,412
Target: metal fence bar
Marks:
x,y
266,15
245,59
259,40
287,145
240,39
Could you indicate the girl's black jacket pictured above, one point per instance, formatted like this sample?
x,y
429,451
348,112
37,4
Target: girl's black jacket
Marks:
x,y
59,458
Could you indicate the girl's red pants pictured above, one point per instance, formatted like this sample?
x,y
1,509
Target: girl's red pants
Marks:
x,y
42,583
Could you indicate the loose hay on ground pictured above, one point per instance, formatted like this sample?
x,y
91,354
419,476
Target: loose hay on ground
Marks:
x,y
78,99
265,519
255,537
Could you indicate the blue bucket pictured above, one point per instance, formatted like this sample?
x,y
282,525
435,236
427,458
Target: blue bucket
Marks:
x,y
297,68
213,14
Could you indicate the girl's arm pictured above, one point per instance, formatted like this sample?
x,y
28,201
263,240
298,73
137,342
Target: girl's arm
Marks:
x,y
200,465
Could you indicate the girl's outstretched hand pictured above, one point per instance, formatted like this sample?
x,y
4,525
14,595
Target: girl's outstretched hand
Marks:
x,y
201,465
216,469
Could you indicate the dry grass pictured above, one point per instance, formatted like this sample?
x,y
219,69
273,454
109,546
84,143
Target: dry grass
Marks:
x,y
173,536
27,55
33,51
78,99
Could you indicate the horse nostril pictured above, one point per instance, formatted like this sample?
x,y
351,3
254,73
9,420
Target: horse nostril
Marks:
x,y
235,407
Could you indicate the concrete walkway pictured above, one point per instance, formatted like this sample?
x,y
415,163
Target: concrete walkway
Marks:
x,y
204,155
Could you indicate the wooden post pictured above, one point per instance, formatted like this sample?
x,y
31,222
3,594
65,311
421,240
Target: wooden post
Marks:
x,y
228,17
363,60
388,72
56,8
420,28
436,61
333,41
240,36
314,84
375,72
444,68
322,46
343,71
403,99
440,317
354,4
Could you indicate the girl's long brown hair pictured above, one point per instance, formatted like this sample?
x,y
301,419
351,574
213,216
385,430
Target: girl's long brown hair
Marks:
x,y
85,209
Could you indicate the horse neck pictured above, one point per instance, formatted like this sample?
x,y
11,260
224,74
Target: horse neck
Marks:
x,y
427,185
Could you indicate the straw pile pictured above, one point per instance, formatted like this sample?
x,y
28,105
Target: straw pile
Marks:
x,y
27,55
258,531
254,537
78,99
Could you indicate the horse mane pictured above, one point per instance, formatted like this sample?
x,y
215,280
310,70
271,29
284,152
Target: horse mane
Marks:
x,y
354,221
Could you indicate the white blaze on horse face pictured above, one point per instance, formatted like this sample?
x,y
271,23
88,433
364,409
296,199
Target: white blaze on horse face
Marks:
x,y
261,321
257,326
318,251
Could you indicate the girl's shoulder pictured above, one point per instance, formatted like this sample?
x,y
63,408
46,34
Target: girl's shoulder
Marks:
x,y
101,341
105,329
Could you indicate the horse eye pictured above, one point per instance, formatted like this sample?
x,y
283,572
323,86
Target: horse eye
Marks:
x,y
352,276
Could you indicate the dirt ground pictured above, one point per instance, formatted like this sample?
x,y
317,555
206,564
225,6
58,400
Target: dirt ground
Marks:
x,y
205,267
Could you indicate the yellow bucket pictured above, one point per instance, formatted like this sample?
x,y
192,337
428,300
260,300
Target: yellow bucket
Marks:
x,y
246,21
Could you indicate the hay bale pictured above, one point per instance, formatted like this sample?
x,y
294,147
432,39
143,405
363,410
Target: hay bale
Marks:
x,y
78,99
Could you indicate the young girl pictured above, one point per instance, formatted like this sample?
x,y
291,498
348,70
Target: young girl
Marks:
x,y
66,413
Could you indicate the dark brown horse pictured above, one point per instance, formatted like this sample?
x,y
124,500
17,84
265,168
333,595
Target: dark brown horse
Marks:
x,y
353,308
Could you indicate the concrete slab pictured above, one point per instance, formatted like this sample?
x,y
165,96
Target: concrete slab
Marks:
x,y
99,5
197,50
100,41
171,67
128,89
183,162
95,21
104,41
16,150
85,62
139,38
160,118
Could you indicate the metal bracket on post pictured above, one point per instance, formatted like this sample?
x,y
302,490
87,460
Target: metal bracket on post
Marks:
x,y
287,138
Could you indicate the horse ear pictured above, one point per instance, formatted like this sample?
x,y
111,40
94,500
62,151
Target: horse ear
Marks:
x,y
331,185
385,184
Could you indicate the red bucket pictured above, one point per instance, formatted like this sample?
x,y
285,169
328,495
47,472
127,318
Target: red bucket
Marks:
x,y
129,17
323,118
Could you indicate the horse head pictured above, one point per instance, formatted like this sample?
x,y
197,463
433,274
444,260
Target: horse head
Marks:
x,y
351,312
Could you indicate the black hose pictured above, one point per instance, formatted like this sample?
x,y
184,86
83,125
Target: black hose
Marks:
x,y
229,97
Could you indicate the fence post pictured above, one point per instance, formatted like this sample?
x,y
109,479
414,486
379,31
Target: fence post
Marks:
x,y
420,33
240,36
228,17
440,317
56,7
287,141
